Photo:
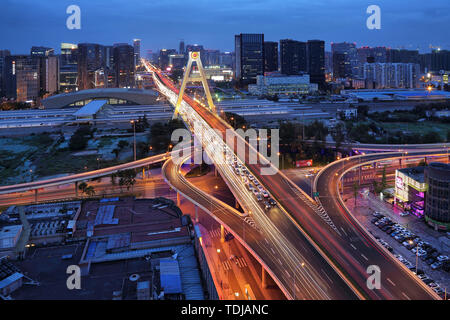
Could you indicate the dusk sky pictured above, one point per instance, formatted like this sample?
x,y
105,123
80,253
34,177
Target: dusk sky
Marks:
x,y
413,24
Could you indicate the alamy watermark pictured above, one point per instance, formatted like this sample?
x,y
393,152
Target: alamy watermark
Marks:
x,y
74,280
74,20
374,279
374,20
230,148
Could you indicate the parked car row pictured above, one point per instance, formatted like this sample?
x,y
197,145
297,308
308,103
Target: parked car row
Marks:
x,y
422,276
424,250
253,185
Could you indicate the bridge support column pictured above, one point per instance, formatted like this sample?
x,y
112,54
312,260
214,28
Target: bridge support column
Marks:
x,y
76,189
222,233
178,199
263,278
35,195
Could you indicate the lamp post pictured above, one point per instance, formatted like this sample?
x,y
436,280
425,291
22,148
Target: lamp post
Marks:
x,y
134,135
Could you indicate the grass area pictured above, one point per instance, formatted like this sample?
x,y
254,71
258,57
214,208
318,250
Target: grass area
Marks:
x,y
416,127
62,161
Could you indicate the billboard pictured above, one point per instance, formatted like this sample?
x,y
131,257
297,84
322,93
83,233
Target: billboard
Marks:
x,y
303,163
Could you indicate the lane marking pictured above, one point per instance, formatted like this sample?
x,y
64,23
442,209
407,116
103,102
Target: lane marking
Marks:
x,y
391,282
406,296
364,257
351,244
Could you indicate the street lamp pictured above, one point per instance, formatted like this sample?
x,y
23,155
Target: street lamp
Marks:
x,y
134,135
417,253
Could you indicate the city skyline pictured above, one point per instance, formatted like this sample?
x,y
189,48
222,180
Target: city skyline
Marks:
x,y
410,28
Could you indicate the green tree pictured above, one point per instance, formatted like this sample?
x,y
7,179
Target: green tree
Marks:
x,y
355,190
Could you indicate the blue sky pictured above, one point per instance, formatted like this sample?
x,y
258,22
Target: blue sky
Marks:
x,y
163,23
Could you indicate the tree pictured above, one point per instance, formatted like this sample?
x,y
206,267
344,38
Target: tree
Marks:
x,y
127,178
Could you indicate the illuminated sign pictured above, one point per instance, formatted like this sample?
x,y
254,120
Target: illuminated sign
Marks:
x,y
399,183
194,55
445,78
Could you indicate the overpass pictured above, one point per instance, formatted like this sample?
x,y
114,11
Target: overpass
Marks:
x,y
307,216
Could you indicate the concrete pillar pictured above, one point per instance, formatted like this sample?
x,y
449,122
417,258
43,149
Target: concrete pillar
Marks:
x,y
35,195
222,233
263,278
178,199
76,189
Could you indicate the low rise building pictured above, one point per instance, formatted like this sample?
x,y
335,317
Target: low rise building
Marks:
x,y
410,188
278,84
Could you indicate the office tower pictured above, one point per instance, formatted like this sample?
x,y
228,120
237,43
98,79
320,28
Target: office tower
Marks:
x,y
68,67
425,62
22,77
403,56
437,200
137,51
164,59
124,65
41,52
270,56
211,57
181,48
328,62
177,61
108,73
440,60
249,51
3,55
91,58
226,59
292,57
48,69
345,60
316,62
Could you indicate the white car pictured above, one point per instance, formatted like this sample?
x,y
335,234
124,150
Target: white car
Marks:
x,y
442,258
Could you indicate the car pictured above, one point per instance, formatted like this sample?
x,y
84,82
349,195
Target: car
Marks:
x,y
433,285
255,192
436,265
430,260
407,245
404,214
390,230
266,205
428,280
442,258
265,194
272,202
385,228
374,220
258,197
393,234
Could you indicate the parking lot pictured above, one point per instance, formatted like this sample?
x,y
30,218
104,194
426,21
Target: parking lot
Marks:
x,y
407,244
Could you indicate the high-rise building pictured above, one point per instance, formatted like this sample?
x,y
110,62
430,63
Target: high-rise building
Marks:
x,y
345,60
41,51
137,51
91,58
403,56
249,51
68,67
370,55
164,59
181,48
440,60
21,79
3,55
226,59
48,69
392,75
270,56
316,62
293,58
124,65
